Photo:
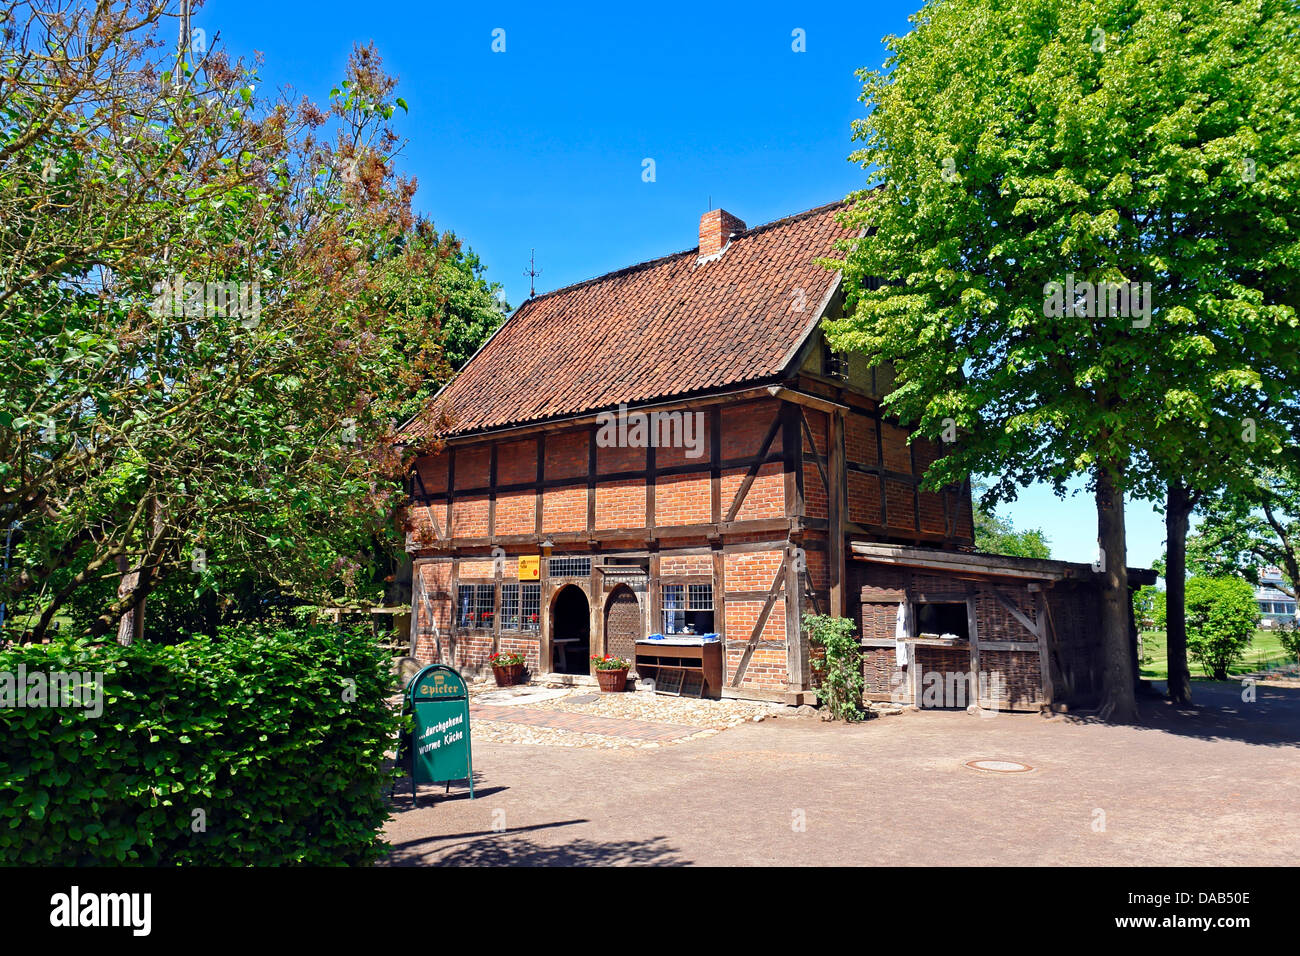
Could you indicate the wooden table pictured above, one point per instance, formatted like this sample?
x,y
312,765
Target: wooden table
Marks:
x,y
699,663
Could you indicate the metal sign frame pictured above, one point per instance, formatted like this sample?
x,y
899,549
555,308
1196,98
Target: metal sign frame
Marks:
x,y
408,739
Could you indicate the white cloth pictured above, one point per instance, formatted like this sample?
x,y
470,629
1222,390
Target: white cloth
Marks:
x,y
900,636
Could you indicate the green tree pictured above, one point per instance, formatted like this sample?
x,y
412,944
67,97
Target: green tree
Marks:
x,y
1245,530
1083,235
994,535
201,314
1221,620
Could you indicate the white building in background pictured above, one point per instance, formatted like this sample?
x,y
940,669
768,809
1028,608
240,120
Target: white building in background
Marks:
x,y
1275,605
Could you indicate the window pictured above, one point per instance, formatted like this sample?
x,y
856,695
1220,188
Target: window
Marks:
x,y
569,567
531,611
521,604
474,605
688,608
944,617
509,607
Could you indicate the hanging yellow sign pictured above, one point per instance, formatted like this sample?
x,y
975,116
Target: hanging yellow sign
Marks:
x,y
530,567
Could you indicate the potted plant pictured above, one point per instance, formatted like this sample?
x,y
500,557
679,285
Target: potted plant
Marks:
x,y
507,668
611,672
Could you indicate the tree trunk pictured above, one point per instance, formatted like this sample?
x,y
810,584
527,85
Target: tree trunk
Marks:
x,y
130,627
1178,509
1119,703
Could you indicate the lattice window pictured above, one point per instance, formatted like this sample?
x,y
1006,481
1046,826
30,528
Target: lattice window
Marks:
x,y
530,618
699,597
474,605
569,567
510,607
674,597
688,608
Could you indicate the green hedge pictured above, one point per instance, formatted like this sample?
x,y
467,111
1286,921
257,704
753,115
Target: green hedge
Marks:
x,y
255,730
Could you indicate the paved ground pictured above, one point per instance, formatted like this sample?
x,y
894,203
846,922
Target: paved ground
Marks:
x,y
1217,785
581,723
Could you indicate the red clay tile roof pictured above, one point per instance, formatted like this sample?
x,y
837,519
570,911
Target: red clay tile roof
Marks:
x,y
665,328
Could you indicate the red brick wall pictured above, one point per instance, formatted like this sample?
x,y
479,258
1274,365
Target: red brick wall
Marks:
x,y
682,499
897,455
678,564
766,495
473,466
564,508
517,462
566,454
620,504
745,426
516,512
755,571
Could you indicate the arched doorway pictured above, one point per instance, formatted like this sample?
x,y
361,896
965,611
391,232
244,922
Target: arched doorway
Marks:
x,y
571,632
622,623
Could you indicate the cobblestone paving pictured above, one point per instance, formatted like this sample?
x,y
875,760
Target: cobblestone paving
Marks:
x,y
609,721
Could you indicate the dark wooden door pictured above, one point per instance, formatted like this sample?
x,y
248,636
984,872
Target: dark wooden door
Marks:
x,y
622,623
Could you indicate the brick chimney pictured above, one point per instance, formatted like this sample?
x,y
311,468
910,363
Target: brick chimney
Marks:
x,y
716,226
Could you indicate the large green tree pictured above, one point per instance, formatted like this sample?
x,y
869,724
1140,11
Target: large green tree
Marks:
x,y
206,338
1026,152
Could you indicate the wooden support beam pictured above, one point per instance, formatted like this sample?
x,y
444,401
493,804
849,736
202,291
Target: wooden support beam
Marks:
x,y
837,507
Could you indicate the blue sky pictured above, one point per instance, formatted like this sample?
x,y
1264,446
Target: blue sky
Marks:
x,y
543,146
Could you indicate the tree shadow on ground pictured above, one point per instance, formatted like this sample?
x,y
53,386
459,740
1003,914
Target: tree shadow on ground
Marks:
x,y
511,849
1220,712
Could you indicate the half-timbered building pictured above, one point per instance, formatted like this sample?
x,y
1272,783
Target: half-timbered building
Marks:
x,y
672,449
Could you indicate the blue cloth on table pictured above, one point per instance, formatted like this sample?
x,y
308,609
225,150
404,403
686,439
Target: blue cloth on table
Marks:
x,y
655,637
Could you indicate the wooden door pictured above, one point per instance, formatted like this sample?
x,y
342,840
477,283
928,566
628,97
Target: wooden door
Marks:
x,y
622,623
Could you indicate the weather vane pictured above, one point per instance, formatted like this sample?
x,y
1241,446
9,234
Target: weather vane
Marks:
x,y
532,272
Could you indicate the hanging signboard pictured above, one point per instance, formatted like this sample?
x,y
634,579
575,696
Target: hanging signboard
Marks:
x,y
438,747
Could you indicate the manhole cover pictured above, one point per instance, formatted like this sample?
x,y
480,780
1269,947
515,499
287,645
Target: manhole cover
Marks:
x,y
998,766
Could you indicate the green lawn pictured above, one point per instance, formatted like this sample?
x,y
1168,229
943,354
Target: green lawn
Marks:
x,y
1264,649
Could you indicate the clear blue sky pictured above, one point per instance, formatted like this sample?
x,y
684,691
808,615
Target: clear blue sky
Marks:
x,y
542,146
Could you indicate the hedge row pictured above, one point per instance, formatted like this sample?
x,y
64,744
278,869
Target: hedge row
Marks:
x,y
261,747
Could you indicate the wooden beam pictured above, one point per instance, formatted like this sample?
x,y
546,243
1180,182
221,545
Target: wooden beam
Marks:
x,y
803,398
1015,612
715,463
837,506
591,481
1044,659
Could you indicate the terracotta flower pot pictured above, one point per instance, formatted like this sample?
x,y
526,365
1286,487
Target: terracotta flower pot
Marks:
x,y
507,676
612,681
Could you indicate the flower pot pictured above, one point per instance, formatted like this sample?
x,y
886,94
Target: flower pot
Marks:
x,y
612,681
509,675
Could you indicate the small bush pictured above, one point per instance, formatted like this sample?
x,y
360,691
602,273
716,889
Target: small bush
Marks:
x,y
265,746
1288,635
1221,619
841,668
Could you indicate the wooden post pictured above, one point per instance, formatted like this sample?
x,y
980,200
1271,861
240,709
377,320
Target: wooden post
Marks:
x,y
837,501
972,627
796,653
